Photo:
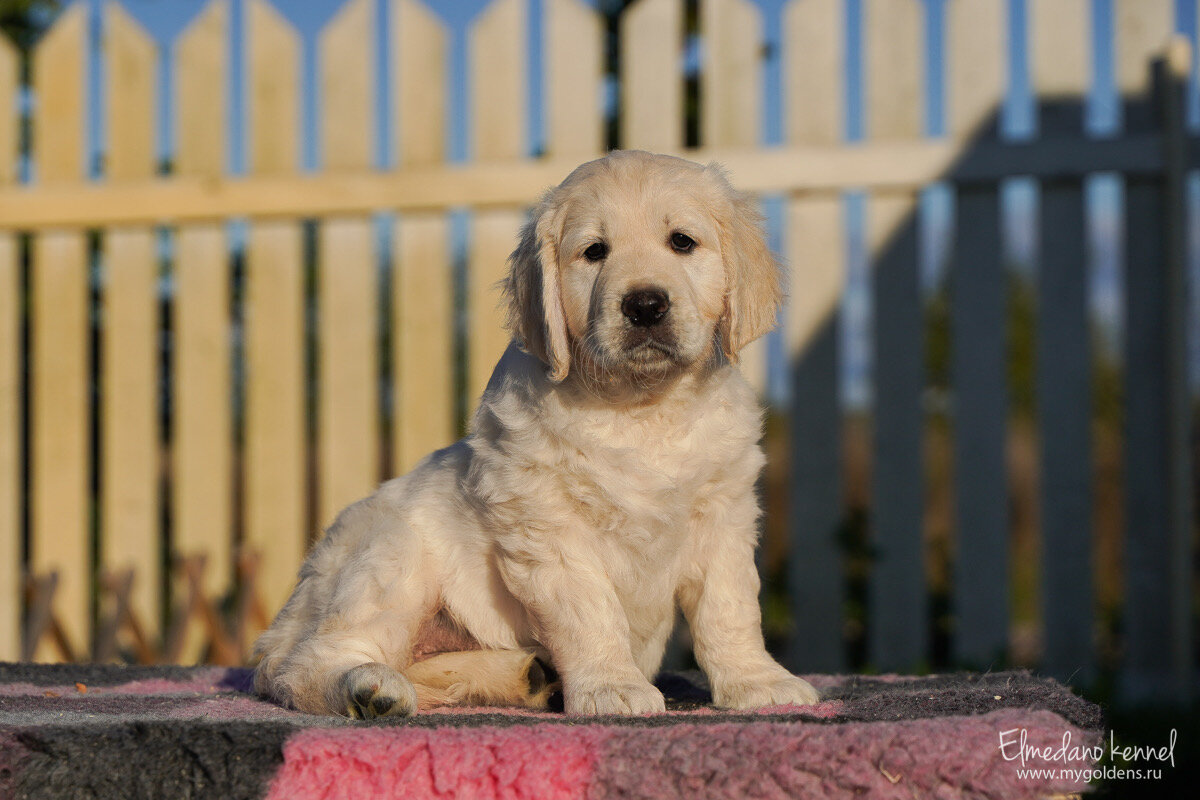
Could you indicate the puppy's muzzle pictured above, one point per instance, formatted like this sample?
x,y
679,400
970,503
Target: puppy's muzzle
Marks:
x,y
645,308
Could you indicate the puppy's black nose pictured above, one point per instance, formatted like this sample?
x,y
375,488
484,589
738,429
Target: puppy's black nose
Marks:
x,y
645,307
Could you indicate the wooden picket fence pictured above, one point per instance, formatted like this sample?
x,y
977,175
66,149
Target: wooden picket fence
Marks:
x,y
191,453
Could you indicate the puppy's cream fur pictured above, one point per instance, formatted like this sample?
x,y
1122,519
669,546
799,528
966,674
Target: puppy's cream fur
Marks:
x,y
608,476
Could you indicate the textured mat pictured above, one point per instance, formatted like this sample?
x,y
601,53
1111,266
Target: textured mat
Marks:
x,y
86,731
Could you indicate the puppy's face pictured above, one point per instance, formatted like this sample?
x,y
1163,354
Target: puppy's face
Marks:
x,y
639,266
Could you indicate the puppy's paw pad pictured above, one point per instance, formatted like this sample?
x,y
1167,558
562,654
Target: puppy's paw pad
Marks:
x,y
780,691
376,690
616,698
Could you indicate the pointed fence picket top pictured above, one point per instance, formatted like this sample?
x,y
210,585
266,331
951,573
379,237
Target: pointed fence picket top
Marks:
x,y
498,101
60,522
201,418
423,417
815,250
573,42
898,598
129,435
10,375
651,82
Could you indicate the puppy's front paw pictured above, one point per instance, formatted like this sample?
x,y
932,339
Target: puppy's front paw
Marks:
x,y
376,690
776,690
623,697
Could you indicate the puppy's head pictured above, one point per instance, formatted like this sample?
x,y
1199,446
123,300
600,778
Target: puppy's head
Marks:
x,y
641,265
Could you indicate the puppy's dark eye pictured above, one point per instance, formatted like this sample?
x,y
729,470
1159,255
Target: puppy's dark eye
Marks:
x,y
596,251
682,243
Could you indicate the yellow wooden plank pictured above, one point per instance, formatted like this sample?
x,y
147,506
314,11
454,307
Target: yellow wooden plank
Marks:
x,y
274,311
813,114
815,245
201,73
813,66
59,70
497,80
883,164
10,380
423,341
493,236
497,130
422,282
10,122
202,426
814,110
419,76
10,450
275,452
202,481
60,537
273,90
345,59
731,106
976,70
348,408
732,85
893,33
129,425
132,74
651,53
574,46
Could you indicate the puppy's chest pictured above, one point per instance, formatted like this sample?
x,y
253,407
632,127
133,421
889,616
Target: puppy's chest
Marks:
x,y
640,483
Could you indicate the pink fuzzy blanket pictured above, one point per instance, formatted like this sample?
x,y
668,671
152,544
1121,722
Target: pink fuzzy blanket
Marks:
x,y
99,732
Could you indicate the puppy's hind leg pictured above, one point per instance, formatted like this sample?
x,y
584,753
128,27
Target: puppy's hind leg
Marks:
x,y
354,616
483,678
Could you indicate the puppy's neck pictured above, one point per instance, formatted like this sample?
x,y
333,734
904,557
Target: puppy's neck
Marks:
x,y
585,385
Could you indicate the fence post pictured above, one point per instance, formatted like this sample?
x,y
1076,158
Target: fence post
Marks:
x,y
10,379
129,434
274,456
201,416
815,242
60,364
423,414
977,41
897,631
1060,52
1157,620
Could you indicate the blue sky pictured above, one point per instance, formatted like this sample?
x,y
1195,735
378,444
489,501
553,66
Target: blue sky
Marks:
x,y
165,19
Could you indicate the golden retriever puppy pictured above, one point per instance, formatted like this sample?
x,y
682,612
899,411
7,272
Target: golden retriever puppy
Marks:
x,y
608,476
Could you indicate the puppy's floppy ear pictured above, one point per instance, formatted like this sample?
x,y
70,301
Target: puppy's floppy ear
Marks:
x,y
535,310
753,276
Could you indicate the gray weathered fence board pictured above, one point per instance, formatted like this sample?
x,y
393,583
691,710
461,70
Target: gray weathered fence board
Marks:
x,y
897,629
977,43
816,255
